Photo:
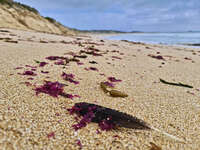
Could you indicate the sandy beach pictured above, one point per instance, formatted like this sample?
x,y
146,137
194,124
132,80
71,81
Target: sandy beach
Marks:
x,y
30,121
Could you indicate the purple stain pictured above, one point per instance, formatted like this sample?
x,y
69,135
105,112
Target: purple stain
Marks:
x,y
42,64
113,79
33,69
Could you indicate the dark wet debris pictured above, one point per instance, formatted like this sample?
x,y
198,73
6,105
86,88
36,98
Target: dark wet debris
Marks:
x,y
159,57
45,72
91,68
69,77
29,73
116,57
106,118
42,64
176,84
113,79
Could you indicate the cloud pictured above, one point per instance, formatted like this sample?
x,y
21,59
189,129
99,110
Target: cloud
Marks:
x,y
122,14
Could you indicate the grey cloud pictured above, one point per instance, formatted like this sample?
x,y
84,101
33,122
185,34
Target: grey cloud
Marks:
x,y
122,14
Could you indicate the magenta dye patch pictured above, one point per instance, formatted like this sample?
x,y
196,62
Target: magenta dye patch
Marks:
x,y
113,79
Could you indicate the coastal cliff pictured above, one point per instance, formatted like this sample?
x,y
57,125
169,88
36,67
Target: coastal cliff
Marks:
x,y
19,16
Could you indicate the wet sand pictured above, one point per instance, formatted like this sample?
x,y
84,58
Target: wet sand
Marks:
x,y
30,121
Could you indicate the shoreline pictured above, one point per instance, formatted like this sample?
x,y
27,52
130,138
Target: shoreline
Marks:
x,y
42,121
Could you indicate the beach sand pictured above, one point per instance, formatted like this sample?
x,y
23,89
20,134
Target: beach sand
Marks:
x,y
30,121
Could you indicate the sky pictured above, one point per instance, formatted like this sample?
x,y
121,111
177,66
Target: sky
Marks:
x,y
123,15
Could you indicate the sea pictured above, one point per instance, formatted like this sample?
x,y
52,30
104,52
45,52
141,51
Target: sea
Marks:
x,y
172,38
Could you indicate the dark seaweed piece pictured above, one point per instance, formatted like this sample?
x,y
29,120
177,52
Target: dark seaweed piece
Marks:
x,y
176,84
157,57
106,118
36,61
113,79
155,147
81,56
93,62
42,64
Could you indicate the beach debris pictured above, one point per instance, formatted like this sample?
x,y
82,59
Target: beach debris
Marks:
x,y
30,66
78,142
53,89
81,56
29,73
43,41
113,79
159,57
116,57
45,72
115,93
42,64
91,68
74,59
51,135
69,77
59,62
104,86
30,78
106,118
36,61
154,146
18,68
80,63
176,84
93,62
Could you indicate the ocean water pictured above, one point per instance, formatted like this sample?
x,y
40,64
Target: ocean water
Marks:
x,y
160,38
